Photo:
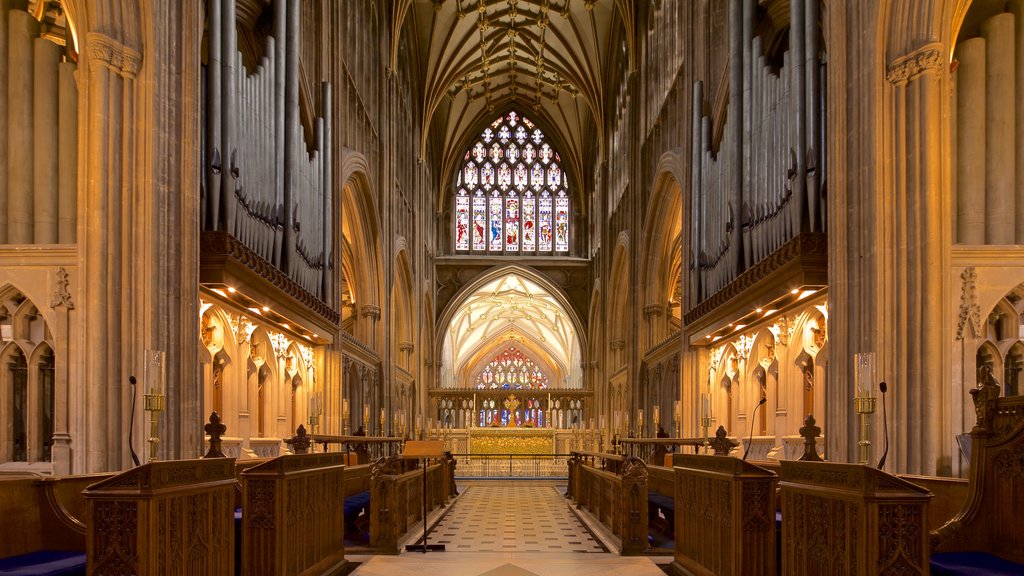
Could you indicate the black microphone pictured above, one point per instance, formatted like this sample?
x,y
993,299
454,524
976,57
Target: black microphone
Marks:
x,y
885,426
752,421
131,420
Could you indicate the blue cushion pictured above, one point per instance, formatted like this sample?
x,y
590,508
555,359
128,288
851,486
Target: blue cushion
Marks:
x,y
778,519
973,564
354,504
44,563
661,501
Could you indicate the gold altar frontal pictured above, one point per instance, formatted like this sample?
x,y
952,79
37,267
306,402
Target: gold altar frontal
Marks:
x,y
511,441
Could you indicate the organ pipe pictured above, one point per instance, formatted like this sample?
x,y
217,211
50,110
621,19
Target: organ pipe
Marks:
x,y
214,159
229,110
755,191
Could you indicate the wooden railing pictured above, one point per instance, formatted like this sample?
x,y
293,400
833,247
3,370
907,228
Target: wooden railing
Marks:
x,y
653,451
614,489
163,518
292,516
361,449
396,498
851,519
725,516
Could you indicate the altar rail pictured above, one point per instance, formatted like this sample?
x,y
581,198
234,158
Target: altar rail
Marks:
x,y
292,521
725,516
396,501
163,518
554,466
617,497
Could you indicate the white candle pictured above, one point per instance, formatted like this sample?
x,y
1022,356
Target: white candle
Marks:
x,y
864,364
705,406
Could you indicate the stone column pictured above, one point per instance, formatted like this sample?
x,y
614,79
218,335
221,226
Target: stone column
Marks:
x,y
112,67
20,136
1000,129
915,288
970,135
45,157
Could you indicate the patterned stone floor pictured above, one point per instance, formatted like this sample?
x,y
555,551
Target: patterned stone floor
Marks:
x,y
510,529
513,517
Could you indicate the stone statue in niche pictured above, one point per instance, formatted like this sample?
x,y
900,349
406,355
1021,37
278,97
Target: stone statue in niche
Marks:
x,y
988,389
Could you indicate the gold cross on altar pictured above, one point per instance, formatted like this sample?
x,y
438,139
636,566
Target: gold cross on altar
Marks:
x,y
511,403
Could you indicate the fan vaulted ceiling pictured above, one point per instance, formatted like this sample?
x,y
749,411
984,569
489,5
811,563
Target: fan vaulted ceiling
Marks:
x,y
543,57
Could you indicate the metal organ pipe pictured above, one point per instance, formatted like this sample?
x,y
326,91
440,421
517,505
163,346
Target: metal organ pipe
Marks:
x,y
813,143
696,196
798,90
292,135
280,62
214,156
229,113
328,201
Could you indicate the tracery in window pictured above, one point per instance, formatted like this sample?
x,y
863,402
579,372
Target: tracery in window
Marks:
x,y
512,370
512,194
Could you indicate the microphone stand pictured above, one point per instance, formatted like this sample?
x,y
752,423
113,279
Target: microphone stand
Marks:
x,y
750,438
885,426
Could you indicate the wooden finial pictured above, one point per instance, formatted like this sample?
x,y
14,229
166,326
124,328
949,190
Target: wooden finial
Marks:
x,y
215,429
300,442
810,432
722,445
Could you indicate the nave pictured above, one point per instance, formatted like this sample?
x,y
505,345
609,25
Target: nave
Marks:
x,y
515,528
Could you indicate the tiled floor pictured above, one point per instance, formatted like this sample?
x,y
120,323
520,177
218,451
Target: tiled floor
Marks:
x,y
511,517
510,529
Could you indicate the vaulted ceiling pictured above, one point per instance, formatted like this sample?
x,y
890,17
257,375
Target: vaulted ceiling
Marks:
x,y
546,58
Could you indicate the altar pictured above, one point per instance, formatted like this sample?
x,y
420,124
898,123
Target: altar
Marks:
x,y
511,441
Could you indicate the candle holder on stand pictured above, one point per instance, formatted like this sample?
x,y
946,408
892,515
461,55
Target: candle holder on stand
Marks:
x,y
864,400
865,406
154,404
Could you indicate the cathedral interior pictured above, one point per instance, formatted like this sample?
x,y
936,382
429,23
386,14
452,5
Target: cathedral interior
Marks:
x,y
575,233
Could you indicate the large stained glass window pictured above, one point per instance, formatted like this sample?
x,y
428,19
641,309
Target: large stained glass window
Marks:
x,y
512,194
512,370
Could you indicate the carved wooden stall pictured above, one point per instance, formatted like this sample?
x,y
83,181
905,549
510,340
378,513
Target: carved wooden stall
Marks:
x,y
725,521
396,498
292,523
987,532
851,519
163,518
614,489
44,521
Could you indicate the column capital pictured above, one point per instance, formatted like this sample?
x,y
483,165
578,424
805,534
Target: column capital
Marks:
x,y
617,344
653,310
928,58
371,310
112,54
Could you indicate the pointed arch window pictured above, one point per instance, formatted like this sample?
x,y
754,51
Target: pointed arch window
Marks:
x,y
512,193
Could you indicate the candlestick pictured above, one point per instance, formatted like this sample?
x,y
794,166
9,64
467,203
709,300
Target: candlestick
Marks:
x,y
154,379
366,416
864,401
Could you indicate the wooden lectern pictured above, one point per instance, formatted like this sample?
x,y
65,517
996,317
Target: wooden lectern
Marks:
x,y
424,450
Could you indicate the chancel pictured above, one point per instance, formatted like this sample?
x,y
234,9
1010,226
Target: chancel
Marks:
x,y
688,287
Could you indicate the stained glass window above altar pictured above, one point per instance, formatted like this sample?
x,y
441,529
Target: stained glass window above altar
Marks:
x,y
512,370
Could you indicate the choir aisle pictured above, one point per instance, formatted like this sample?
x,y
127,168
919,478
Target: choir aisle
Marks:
x,y
517,528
